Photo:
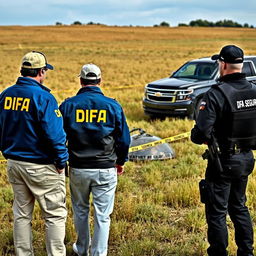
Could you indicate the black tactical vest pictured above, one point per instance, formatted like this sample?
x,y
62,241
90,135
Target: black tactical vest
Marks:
x,y
241,130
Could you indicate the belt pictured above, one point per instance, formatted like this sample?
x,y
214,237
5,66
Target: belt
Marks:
x,y
235,151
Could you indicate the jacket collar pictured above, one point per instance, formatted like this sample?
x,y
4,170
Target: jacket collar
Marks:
x,y
94,89
232,77
30,82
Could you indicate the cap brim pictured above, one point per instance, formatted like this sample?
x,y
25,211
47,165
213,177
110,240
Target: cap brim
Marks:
x,y
49,66
215,57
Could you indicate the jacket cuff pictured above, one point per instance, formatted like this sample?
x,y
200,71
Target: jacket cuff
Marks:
x,y
120,162
60,165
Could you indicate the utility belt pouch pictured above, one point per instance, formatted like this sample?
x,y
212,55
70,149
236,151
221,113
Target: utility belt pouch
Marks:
x,y
205,155
203,189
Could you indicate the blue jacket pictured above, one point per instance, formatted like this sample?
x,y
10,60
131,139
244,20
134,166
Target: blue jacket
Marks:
x,y
97,132
31,126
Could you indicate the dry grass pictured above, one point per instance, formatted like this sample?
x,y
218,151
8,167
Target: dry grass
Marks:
x,y
157,209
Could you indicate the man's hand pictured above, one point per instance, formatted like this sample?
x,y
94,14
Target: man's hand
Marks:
x,y
60,170
120,169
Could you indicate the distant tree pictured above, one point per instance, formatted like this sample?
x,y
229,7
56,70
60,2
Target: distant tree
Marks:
x,y
246,25
251,26
58,23
220,23
201,23
182,25
228,23
156,25
77,23
164,24
93,23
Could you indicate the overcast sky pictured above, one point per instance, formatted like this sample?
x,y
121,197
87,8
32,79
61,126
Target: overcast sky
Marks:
x,y
124,12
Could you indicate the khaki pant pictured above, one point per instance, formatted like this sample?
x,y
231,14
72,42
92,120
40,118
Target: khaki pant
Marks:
x,y
43,183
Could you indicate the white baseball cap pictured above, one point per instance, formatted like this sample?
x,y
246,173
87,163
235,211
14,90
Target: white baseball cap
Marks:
x,y
90,72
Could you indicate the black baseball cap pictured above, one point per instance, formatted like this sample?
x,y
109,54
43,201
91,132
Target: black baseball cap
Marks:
x,y
230,54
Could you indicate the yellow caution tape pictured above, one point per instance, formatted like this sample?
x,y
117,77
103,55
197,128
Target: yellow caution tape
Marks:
x,y
148,145
158,142
104,88
121,87
3,161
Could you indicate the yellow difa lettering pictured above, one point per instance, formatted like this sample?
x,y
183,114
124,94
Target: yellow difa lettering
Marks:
x,y
25,105
13,103
93,115
57,112
16,103
102,116
79,115
7,102
87,115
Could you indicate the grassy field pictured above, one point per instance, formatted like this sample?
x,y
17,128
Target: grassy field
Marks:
x,y
157,210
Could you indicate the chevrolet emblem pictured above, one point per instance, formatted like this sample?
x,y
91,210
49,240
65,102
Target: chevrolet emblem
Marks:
x,y
158,94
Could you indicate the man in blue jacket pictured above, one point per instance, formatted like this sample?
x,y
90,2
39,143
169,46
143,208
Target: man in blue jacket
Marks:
x,y
98,142
33,140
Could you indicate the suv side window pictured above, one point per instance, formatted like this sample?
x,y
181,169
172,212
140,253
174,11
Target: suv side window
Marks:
x,y
248,68
253,59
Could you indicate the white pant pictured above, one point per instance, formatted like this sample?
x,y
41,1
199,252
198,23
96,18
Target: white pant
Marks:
x,y
102,184
43,183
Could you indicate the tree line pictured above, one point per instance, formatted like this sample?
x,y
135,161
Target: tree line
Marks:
x,y
220,23
193,23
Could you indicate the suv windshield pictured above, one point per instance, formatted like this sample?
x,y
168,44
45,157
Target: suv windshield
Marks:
x,y
197,70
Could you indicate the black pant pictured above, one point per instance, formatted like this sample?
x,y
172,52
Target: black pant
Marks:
x,y
227,194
